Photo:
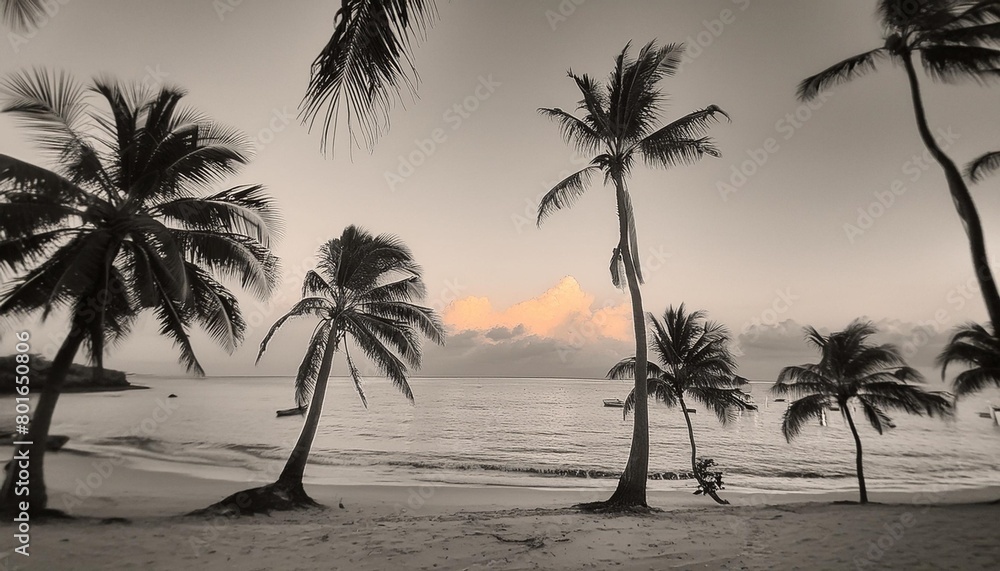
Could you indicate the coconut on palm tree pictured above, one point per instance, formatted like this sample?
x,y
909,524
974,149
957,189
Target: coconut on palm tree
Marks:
x,y
695,363
123,224
852,370
365,65
362,295
619,126
955,40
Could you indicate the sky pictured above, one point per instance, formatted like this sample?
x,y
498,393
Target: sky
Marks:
x,y
786,229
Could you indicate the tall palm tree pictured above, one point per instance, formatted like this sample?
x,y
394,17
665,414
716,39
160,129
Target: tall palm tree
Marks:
x,y
365,65
619,125
978,349
363,294
854,370
956,41
122,225
695,362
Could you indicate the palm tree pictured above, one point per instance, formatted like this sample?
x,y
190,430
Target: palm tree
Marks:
x,y
978,349
362,294
955,40
121,225
853,369
619,126
695,362
365,65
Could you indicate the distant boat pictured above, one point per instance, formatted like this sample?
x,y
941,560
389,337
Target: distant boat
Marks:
x,y
996,414
614,402
292,411
690,410
834,408
779,400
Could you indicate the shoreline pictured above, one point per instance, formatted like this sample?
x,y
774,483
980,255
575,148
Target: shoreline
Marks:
x,y
134,518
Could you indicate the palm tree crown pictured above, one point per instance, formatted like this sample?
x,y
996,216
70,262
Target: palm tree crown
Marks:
x,y
852,368
695,362
953,38
619,125
122,225
978,349
363,292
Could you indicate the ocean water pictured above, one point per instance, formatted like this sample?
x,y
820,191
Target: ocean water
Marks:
x,y
532,432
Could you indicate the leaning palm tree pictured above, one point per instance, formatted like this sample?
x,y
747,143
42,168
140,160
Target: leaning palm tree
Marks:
x,y
362,294
365,65
122,225
619,126
955,40
978,349
854,370
695,362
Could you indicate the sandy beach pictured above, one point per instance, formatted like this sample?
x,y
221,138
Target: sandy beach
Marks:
x,y
133,520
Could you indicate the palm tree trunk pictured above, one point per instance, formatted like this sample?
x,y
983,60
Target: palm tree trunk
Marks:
x,y
963,200
631,489
694,451
295,467
857,443
38,432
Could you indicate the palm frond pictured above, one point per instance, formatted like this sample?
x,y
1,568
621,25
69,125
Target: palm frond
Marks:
x,y
565,193
839,73
22,15
658,390
983,166
356,377
365,65
312,362
950,63
801,412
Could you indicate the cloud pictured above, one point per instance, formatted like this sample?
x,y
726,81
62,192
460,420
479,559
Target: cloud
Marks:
x,y
564,312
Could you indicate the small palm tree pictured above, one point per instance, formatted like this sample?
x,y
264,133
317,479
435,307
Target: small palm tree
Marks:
x,y
695,362
619,126
852,369
955,40
362,294
122,226
978,349
365,65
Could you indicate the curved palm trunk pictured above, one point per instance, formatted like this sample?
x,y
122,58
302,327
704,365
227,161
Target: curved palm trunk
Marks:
x,y
631,489
38,432
295,467
857,443
963,200
694,451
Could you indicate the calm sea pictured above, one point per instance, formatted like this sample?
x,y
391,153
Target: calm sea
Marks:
x,y
536,432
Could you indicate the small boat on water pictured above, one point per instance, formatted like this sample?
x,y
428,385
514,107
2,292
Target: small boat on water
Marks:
x,y
779,400
292,411
690,410
614,402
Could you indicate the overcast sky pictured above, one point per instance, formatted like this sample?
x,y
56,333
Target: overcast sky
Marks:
x,y
459,174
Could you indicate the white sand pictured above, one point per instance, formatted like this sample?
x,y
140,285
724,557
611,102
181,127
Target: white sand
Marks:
x,y
457,527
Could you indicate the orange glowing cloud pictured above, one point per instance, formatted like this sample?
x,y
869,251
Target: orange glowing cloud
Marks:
x,y
564,311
